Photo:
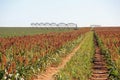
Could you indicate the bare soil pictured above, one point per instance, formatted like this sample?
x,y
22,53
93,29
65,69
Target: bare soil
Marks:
x,y
51,71
99,69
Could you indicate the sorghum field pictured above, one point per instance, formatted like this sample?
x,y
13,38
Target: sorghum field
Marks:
x,y
60,53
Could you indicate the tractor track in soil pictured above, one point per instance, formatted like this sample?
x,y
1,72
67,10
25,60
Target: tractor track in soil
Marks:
x,y
51,71
99,69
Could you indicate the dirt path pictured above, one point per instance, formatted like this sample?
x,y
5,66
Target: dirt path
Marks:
x,y
100,71
48,75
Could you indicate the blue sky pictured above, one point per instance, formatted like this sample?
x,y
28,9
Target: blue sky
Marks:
x,y
82,12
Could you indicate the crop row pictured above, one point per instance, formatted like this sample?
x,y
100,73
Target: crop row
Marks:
x,y
80,66
110,40
20,57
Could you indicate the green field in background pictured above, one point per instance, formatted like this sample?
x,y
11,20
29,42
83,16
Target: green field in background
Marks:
x,y
21,31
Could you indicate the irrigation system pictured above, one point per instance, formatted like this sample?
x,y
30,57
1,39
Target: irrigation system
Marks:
x,y
68,25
